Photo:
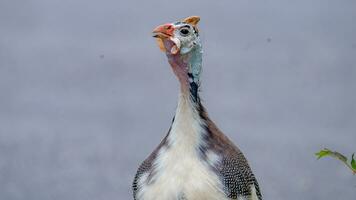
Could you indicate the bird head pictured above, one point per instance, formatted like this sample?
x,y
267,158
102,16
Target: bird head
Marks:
x,y
181,43
178,37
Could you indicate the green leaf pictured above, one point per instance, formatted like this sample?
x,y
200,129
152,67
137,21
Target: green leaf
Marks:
x,y
323,153
328,152
353,162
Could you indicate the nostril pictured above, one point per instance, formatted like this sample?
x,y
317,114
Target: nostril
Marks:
x,y
169,27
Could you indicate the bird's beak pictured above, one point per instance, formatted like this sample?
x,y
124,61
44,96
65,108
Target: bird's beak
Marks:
x,y
163,31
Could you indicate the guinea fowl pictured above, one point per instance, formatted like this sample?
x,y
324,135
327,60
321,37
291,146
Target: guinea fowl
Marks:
x,y
195,160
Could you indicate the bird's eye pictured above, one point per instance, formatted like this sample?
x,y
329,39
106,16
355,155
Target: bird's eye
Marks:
x,y
184,31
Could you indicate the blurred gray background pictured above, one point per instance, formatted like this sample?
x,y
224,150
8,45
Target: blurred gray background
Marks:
x,y
85,94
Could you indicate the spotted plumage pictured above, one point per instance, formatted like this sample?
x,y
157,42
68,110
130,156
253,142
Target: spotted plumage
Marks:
x,y
195,160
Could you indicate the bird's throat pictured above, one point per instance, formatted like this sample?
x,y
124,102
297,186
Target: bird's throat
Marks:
x,y
187,68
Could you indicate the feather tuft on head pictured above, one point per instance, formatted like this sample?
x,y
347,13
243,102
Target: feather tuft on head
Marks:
x,y
192,20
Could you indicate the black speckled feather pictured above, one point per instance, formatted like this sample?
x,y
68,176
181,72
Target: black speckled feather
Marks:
x,y
233,169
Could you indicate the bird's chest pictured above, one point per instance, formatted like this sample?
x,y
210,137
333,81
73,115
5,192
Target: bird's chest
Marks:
x,y
180,174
